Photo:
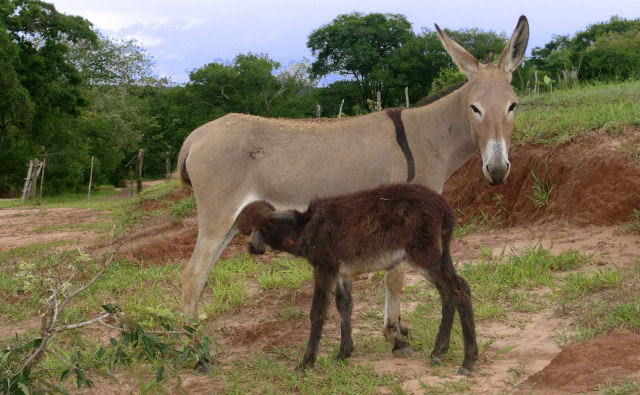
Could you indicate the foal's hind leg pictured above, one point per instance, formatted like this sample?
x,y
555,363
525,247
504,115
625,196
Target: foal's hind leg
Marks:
x,y
441,345
394,331
344,303
456,294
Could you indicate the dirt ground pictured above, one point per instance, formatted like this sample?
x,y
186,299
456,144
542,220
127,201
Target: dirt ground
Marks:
x,y
596,188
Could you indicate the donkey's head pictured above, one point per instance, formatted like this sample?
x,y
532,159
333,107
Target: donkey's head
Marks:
x,y
278,229
491,101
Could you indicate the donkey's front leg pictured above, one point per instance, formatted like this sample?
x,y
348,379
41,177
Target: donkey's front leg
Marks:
x,y
324,281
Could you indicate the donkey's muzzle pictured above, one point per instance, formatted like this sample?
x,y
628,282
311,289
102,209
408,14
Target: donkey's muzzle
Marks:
x,y
497,174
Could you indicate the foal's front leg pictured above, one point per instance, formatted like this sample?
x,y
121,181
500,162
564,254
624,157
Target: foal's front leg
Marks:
x,y
394,331
324,281
344,303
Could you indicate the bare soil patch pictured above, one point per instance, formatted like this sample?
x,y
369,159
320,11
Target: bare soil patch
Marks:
x,y
25,226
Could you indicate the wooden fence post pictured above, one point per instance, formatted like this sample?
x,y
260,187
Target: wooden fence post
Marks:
x,y
90,180
139,169
340,111
27,181
318,110
168,162
406,95
131,179
44,163
37,166
379,101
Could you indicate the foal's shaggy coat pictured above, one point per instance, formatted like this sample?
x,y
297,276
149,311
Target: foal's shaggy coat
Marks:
x,y
363,232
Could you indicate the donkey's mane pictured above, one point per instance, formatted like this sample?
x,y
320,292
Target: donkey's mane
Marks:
x,y
440,94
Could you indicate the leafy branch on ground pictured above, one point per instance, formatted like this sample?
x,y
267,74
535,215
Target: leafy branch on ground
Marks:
x,y
21,370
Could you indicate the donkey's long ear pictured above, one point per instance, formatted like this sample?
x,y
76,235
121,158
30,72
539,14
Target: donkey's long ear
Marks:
x,y
467,63
513,53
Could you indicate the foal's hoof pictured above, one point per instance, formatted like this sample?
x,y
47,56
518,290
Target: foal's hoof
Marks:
x,y
204,367
303,367
404,352
464,371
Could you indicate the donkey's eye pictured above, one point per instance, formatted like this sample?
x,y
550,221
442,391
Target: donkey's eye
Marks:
x,y
512,107
476,110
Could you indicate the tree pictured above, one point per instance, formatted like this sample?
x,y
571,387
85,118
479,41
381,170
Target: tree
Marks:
x,y
44,91
613,56
603,51
114,62
355,44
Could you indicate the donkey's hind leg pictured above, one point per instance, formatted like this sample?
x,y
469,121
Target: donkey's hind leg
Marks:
x,y
394,331
212,240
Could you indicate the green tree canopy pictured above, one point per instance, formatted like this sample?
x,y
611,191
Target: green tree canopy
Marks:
x,y
353,44
41,89
603,51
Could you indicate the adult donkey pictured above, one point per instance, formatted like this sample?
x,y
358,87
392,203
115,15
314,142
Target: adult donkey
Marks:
x,y
237,159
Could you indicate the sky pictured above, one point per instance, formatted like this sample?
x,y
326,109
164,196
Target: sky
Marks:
x,y
184,35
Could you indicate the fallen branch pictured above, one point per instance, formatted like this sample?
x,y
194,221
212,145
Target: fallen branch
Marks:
x,y
51,309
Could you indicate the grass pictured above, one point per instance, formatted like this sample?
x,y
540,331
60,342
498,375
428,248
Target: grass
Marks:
x,y
273,373
287,273
619,387
554,118
542,188
68,200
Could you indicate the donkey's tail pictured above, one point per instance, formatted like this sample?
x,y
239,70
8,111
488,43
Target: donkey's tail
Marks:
x,y
182,168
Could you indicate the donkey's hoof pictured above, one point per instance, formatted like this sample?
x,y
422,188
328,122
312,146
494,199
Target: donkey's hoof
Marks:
x,y
404,352
436,359
204,367
464,371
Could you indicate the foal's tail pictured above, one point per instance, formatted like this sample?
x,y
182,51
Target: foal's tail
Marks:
x,y
448,224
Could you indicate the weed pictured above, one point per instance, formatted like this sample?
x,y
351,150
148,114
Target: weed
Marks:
x,y
633,225
518,371
542,188
621,387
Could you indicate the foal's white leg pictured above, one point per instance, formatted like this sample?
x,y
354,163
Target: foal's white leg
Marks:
x,y
393,329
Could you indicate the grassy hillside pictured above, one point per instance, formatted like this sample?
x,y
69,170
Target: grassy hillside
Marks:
x,y
559,116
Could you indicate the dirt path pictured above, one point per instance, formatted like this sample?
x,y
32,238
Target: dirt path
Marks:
x,y
27,226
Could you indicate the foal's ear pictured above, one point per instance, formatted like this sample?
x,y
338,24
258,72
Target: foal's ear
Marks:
x,y
467,63
513,53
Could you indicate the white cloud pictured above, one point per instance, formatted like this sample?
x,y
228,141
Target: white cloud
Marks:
x,y
116,20
192,22
146,40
